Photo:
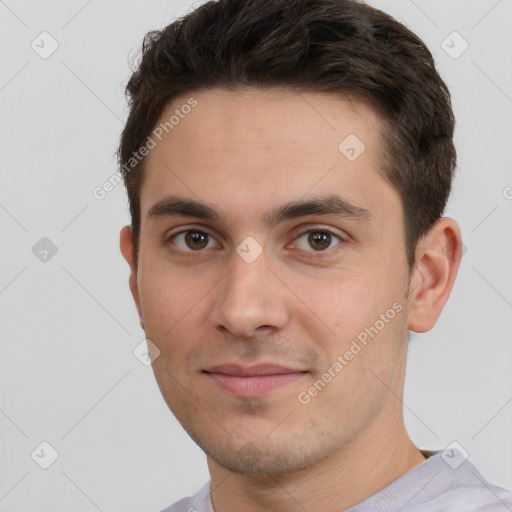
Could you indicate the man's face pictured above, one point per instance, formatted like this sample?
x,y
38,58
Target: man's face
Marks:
x,y
252,296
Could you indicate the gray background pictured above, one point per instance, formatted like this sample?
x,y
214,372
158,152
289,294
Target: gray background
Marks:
x,y
68,375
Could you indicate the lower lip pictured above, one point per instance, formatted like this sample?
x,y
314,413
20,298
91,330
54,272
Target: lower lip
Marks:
x,y
255,385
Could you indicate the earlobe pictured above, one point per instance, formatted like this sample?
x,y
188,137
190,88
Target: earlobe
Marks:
x,y
438,257
127,250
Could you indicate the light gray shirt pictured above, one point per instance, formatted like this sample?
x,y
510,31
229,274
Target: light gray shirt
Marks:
x,y
445,482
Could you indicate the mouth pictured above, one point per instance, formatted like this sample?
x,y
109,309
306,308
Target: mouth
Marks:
x,y
255,380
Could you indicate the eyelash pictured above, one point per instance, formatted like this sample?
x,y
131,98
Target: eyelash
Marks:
x,y
313,253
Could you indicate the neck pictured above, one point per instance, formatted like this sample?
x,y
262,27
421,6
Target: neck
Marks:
x,y
380,455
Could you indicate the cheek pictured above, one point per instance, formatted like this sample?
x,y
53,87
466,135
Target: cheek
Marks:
x,y
343,303
356,305
169,304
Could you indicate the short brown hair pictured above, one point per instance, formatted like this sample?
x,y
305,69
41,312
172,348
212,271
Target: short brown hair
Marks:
x,y
337,46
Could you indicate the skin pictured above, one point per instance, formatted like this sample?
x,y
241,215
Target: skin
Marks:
x,y
299,303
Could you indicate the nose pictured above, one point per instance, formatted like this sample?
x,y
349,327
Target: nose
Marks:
x,y
250,300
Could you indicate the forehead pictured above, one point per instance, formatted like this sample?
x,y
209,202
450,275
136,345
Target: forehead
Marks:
x,y
276,117
250,147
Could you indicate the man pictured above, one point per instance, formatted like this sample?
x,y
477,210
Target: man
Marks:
x,y
288,163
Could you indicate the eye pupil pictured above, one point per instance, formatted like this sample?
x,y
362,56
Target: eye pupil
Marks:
x,y
319,240
196,240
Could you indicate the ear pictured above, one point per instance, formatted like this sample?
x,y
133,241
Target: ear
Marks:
x,y
438,257
128,251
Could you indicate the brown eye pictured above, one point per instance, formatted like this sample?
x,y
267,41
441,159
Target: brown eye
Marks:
x,y
196,240
319,240
193,241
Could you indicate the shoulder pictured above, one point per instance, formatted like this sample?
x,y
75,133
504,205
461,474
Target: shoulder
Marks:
x,y
460,489
445,482
184,505
198,503
471,499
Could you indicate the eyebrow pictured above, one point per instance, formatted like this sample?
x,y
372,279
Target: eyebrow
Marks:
x,y
173,205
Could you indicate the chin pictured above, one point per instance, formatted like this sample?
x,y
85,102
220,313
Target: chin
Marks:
x,y
262,457
249,461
